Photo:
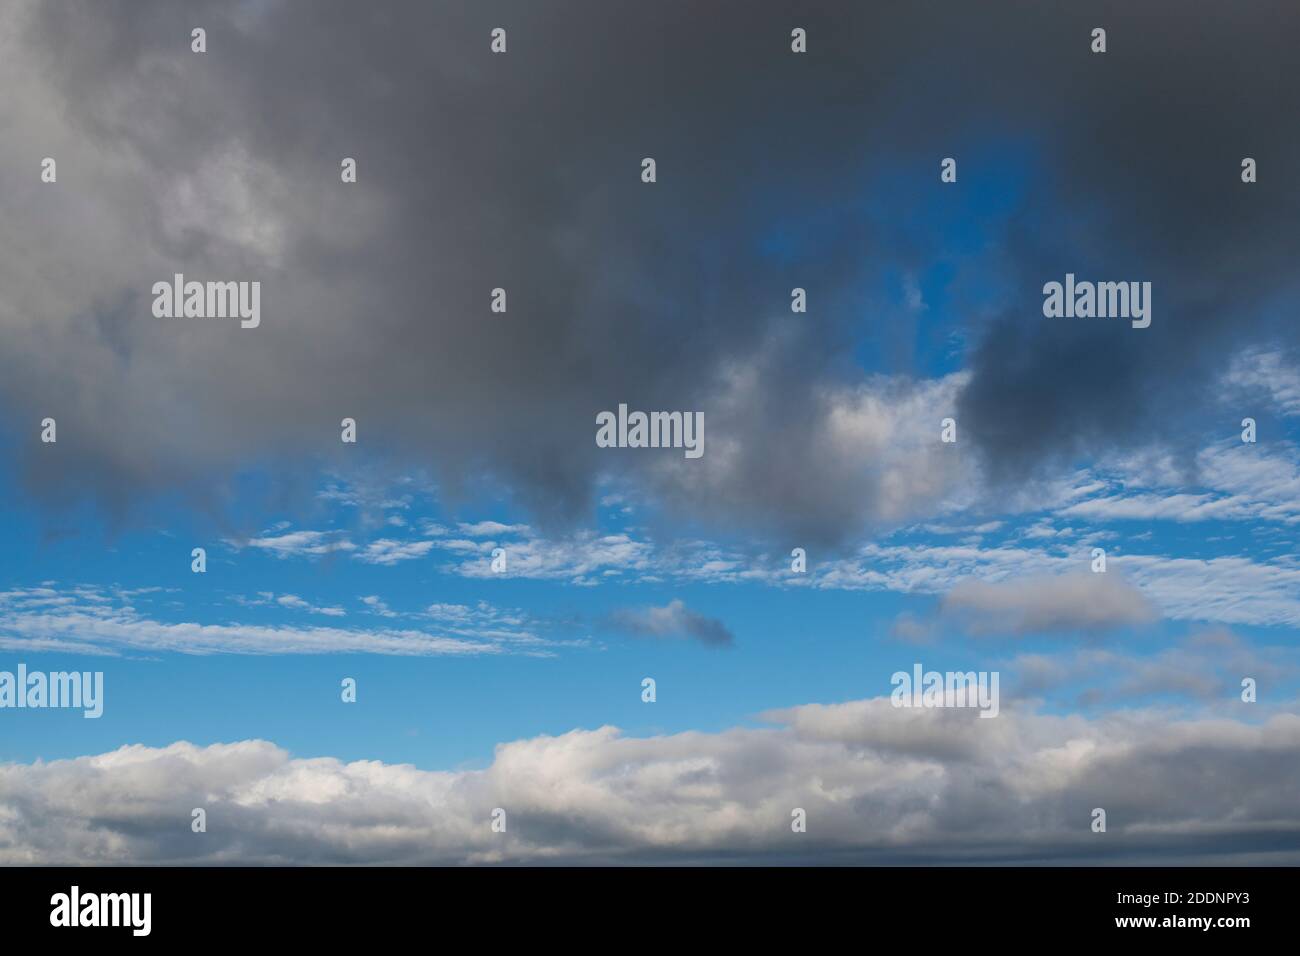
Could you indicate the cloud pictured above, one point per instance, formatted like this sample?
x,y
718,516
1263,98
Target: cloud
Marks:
x,y
674,619
1233,481
858,456
911,629
486,621
386,551
298,604
482,529
212,167
1267,373
1225,590
1221,588
879,785
1045,393
581,557
1081,601
298,544
35,621
378,605
1207,667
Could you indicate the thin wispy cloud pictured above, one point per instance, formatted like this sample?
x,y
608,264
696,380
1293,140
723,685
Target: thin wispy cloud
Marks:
x,y
113,627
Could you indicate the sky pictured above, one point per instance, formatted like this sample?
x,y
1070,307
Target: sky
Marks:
x,y
521,687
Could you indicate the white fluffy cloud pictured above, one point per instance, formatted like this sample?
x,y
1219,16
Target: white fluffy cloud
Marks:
x,y
878,784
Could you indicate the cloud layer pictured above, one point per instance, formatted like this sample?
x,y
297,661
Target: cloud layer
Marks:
x,y
878,784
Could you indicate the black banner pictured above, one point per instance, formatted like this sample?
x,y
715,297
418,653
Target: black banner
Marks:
x,y
942,905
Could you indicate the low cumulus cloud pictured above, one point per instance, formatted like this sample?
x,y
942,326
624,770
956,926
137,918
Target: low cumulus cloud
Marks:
x,y
878,784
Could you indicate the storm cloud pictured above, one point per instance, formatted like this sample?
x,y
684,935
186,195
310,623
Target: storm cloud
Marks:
x,y
522,171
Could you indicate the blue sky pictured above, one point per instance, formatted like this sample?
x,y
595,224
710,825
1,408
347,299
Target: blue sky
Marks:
x,y
522,688
536,653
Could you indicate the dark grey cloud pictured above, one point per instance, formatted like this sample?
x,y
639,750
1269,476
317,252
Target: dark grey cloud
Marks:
x,y
1143,182
521,171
